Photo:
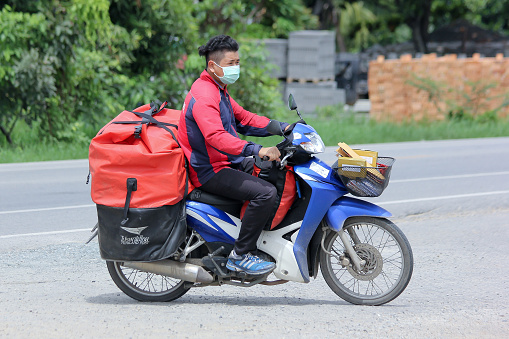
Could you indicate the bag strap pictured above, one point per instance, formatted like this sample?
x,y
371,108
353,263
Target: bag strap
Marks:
x,y
154,121
132,185
186,189
154,109
161,107
137,122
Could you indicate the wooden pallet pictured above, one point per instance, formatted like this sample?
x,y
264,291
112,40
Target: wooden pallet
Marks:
x,y
308,81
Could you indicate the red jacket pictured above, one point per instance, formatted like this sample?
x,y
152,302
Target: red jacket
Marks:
x,y
208,127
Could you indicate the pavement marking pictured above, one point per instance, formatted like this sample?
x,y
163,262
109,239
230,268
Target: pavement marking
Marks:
x,y
392,181
451,177
441,198
44,233
45,165
379,203
418,156
47,209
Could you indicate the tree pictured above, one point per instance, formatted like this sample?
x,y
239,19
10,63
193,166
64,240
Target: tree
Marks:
x,y
420,16
351,20
253,18
416,14
57,64
489,14
355,24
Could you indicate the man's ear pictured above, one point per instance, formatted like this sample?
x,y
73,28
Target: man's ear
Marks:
x,y
210,65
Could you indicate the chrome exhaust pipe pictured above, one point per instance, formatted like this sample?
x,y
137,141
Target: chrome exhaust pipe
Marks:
x,y
173,269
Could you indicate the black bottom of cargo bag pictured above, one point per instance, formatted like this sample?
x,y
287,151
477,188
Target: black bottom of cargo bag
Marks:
x,y
149,234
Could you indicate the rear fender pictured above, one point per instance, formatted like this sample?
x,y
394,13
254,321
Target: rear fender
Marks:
x,y
346,207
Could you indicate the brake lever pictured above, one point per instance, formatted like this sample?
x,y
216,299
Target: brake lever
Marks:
x,y
284,161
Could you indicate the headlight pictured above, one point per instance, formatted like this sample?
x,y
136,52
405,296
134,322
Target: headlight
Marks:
x,y
314,145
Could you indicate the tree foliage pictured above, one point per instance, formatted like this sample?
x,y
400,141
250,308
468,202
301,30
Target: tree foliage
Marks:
x,y
253,18
398,20
69,64
58,64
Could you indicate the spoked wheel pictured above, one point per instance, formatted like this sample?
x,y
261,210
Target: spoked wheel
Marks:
x,y
387,256
145,286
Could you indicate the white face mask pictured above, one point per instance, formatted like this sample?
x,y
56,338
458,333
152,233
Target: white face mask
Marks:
x,y
230,74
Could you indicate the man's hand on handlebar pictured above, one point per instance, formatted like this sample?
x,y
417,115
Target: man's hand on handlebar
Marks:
x,y
269,153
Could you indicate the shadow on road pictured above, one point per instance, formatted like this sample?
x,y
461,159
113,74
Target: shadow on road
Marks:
x,y
120,298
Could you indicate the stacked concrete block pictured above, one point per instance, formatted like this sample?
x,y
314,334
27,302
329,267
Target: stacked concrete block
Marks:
x,y
306,65
277,55
311,55
309,96
311,69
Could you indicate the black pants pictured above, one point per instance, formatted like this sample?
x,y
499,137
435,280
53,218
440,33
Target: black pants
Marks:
x,y
239,184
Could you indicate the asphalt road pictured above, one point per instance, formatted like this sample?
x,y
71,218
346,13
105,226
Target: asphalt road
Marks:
x,y
451,199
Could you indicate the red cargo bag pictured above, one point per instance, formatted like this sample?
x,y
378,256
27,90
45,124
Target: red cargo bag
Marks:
x,y
139,183
284,181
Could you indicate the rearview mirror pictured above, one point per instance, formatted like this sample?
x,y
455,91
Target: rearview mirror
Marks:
x,y
291,102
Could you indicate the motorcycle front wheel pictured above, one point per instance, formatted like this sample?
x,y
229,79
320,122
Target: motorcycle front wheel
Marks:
x,y
388,262
145,286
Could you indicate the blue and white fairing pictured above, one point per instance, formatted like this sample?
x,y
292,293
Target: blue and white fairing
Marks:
x,y
212,223
306,137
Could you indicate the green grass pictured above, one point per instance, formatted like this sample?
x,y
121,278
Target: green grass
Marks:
x,y
352,129
43,152
360,130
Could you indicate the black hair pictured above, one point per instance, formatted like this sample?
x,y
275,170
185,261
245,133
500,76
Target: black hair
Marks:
x,y
214,49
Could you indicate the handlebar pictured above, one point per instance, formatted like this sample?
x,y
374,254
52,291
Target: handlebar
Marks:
x,y
284,144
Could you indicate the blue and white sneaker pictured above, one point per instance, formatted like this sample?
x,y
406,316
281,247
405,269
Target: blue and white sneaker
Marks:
x,y
251,264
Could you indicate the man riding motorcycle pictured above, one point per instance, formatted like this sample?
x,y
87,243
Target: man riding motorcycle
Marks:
x,y
208,134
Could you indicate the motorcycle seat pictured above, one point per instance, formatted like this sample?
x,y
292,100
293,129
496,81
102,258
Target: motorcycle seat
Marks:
x,y
227,205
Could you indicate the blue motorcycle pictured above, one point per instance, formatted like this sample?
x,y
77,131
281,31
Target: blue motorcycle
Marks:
x,y
364,258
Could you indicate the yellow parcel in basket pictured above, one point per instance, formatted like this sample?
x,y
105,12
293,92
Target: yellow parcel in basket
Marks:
x,y
370,160
371,157
351,167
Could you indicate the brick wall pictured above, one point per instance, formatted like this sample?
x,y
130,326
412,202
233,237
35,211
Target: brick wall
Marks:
x,y
482,84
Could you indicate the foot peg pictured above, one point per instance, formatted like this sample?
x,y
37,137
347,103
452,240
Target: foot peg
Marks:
x,y
215,264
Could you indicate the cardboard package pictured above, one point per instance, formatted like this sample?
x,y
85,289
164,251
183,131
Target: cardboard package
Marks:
x,y
352,167
369,157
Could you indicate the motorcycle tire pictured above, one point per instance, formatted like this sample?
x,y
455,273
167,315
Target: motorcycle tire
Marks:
x,y
388,256
145,286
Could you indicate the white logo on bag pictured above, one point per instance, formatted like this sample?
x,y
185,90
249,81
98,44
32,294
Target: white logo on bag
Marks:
x,y
139,240
134,230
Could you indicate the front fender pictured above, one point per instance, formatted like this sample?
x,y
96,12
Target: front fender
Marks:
x,y
346,207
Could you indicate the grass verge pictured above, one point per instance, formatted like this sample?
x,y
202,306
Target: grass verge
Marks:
x,y
43,152
360,130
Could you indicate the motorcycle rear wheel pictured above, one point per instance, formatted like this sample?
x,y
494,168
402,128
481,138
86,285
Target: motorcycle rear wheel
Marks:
x,y
388,256
145,286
